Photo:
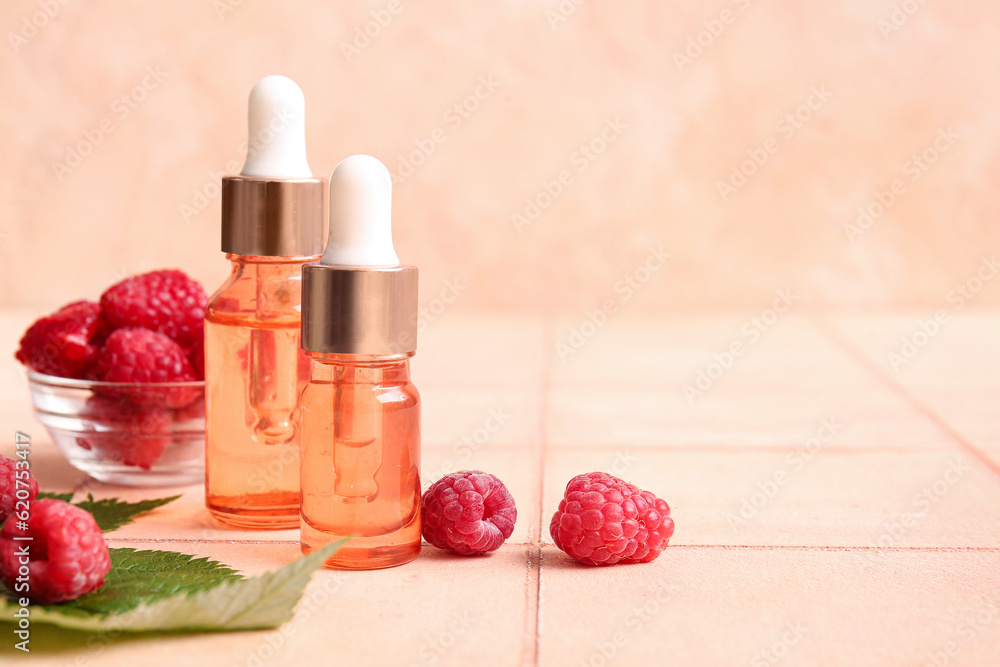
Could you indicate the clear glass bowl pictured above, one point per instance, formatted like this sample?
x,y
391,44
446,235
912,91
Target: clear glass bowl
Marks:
x,y
125,433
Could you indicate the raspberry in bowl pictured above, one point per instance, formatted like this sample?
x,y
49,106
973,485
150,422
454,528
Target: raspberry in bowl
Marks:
x,y
125,433
119,385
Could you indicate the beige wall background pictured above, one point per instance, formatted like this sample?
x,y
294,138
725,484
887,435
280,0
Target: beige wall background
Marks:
x,y
742,136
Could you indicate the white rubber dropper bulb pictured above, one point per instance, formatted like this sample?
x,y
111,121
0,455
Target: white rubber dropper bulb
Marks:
x,y
276,146
360,215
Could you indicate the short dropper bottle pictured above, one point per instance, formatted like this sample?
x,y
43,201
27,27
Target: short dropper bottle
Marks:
x,y
273,216
360,412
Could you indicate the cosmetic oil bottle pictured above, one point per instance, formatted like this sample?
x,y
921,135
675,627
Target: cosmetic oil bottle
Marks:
x,y
273,217
360,411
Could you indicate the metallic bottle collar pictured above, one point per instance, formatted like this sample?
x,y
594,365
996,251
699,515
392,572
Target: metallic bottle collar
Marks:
x,y
359,310
273,218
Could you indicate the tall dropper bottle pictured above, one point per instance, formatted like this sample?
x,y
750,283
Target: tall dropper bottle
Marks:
x,y
273,216
360,411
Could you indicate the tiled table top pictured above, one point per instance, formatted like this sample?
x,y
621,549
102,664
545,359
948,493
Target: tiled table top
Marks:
x,y
833,506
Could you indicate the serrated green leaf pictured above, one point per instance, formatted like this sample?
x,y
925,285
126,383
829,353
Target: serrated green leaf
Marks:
x,y
137,577
144,576
235,604
65,497
112,514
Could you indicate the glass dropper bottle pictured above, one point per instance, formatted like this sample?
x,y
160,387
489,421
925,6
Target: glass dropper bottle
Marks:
x,y
272,223
360,412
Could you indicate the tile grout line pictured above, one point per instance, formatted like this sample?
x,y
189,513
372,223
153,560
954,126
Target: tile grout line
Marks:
x,y
534,545
859,355
793,547
753,449
194,540
532,616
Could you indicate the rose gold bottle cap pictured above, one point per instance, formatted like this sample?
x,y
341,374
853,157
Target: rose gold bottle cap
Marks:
x,y
357,299
275,206
359,311
273,218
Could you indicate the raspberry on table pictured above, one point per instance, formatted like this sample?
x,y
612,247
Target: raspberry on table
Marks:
x,y
468,512
63,343
67,553
9,474
135,435
603,520
141,355
168,302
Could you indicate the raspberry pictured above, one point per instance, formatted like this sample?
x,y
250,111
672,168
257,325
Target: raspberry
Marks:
x,y
141,355
167,302
194,411
63,343
134,435
468,512
9,477
603,520
67,553
196,354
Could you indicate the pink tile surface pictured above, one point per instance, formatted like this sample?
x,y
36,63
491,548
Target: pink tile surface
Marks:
x,y
948,366
517,320
472,419
775,419
720,606
888,534
835,498
367,618
480,352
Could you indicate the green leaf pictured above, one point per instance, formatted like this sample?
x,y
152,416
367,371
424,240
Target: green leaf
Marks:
x,y
234,604
65,497
143,576
112,514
